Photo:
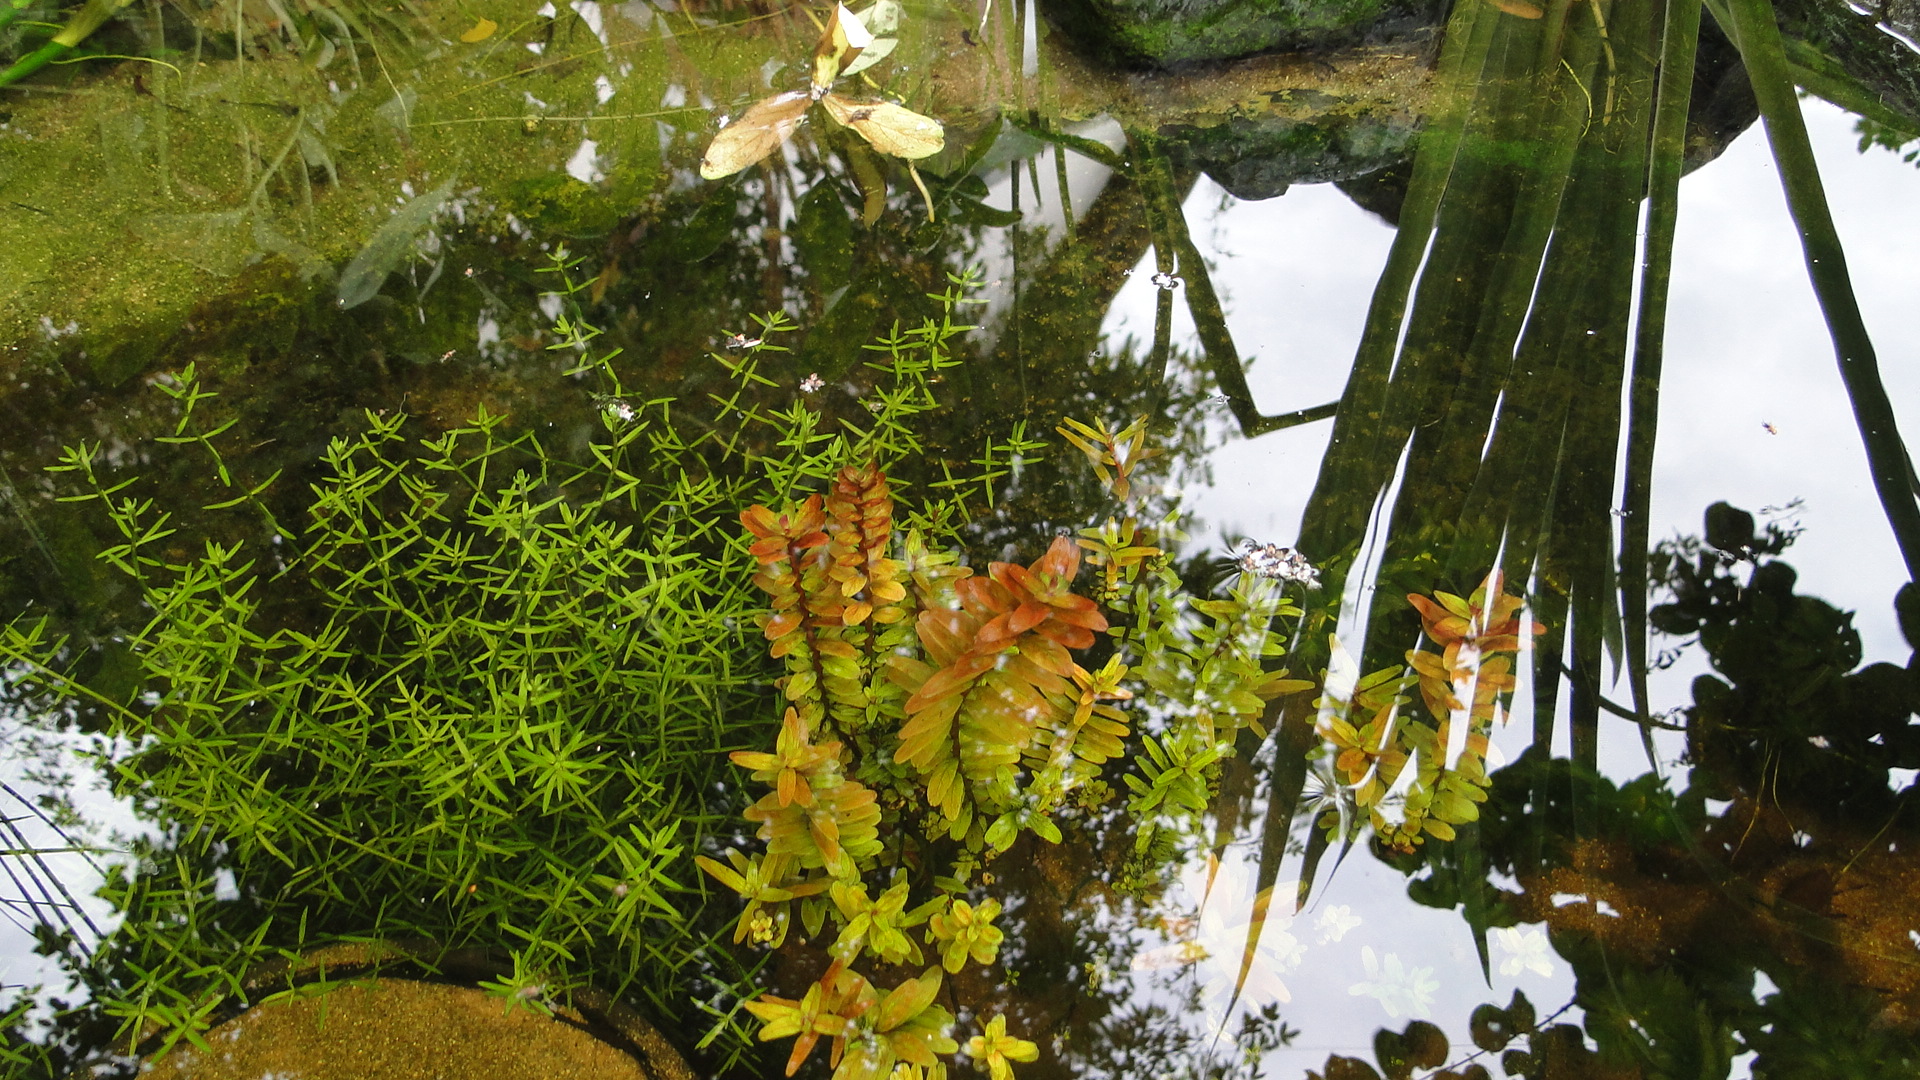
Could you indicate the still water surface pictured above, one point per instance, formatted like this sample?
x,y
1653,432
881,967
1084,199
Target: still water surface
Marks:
x,y
1754,919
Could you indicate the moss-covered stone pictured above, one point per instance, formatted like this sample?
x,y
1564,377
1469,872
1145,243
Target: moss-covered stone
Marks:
x,y
1168,32
1259,157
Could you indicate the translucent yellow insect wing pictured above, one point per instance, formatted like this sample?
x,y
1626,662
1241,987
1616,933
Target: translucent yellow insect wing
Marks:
x,y
757,133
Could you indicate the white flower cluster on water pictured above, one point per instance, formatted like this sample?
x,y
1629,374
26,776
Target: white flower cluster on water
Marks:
x,y
1277,563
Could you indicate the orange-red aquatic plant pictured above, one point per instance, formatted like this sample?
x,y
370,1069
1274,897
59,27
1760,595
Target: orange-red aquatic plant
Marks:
x,y
914,675
1373,742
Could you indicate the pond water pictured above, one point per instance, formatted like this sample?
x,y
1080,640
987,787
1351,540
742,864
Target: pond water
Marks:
x,y
386,395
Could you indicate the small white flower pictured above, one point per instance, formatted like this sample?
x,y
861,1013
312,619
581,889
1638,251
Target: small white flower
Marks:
x,y
1165,281
1334,923
811,383
1525,949
1398,988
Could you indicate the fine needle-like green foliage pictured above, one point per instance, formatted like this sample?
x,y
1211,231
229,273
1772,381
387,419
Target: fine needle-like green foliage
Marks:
x,y
470,694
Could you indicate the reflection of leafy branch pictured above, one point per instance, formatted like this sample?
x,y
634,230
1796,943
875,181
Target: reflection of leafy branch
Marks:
x,y
1465,684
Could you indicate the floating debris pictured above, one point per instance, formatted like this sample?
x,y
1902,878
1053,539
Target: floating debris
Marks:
x,y
1165,281
811,383
1771,430
742,341
1277,563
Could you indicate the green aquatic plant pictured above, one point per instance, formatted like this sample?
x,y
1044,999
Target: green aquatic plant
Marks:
x,y
77,29
470,694
1466,683
915,686
934,716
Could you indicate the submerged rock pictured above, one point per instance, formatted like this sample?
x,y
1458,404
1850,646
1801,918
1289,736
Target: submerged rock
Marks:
x,y
1167,32
399,1029
1259,157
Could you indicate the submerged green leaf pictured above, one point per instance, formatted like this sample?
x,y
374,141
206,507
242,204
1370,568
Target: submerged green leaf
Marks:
x,y
388,247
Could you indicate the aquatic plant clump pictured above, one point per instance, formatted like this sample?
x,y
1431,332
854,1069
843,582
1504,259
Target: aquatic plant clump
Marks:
x,y
935,715
916,685
472,692
889,128
1371,745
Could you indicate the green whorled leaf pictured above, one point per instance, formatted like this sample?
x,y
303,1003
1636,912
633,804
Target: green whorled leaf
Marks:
x,y
1001,834
1044,828
840,44
944,788
760,131
949,685
388,246
800,684
889,128
908,1000
882,20
725,874
908,673
865,1059
922,738
813,914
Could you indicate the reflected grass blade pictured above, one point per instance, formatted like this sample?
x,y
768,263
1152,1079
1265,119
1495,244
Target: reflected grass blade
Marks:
x,y
1364,447
1757,34
1681,41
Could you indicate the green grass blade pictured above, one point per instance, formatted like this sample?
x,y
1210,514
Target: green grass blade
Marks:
x,y
1680,41
1757,34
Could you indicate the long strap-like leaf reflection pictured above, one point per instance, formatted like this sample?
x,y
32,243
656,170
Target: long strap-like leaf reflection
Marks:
x,y
1757,34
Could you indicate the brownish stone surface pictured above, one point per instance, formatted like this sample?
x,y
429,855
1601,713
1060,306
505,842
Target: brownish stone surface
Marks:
x,y
397,1029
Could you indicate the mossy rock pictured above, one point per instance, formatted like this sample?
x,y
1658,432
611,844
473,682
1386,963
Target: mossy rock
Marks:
x,y
1259,157
408,1011
400,1029
1161,33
